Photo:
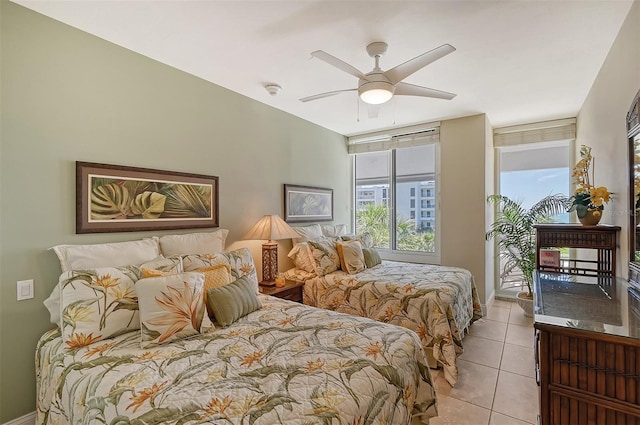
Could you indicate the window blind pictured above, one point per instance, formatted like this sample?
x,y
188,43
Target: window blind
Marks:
x,y
417,135
546,131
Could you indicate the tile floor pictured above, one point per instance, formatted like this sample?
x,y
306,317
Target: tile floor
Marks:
x,y
496,381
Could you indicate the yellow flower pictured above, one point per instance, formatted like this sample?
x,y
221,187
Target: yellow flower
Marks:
x,y
99,349
246,268
80,340
312,366
76,313
249,359
145,394
182,310
217,406
373,350
599,195
104,281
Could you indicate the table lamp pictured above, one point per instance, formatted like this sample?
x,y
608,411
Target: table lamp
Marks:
x,y
271,228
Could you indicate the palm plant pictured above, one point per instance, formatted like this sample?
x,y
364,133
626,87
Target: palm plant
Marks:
x,y
514,232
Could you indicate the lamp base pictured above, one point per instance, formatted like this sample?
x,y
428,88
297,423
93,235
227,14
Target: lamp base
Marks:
x,y
269,261
268,283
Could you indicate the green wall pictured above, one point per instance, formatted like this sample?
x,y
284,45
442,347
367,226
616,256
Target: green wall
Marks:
x,y
69,96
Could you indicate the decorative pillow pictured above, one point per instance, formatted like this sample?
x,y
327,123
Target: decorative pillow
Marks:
x,y
171,307
325,256
371,257
233,301
79,257
157,267
333,230
96,304
310,232
193,262
241,263
160,267
194,243
214,276
299,254
351,256
365,239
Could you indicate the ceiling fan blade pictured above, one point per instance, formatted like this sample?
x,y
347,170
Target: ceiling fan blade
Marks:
x,y
338,63
405,89
402,71
323,95
373,110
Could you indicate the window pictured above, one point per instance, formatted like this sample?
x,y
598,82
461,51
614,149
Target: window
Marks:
x,y
402,171
533,161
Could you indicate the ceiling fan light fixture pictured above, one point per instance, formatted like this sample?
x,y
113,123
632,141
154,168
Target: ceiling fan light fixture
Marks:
x,y
376,92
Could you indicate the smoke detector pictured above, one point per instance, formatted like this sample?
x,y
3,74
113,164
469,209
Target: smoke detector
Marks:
x,y
273,89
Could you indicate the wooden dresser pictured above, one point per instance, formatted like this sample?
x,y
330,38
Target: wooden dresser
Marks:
x,y
587,349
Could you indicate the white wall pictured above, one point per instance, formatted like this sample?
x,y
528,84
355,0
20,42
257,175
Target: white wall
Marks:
x,y
601,125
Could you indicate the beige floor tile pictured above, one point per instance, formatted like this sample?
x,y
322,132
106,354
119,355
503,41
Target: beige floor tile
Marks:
x,y
502,304
458,412
476,384
488,329
516,396
519,335
500,419
498,314
482,351
518,359
517,317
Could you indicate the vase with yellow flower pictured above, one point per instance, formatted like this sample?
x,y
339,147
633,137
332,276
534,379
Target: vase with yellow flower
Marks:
x,y
588,199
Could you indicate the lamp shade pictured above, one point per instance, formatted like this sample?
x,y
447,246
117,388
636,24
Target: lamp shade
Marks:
x,y
271,227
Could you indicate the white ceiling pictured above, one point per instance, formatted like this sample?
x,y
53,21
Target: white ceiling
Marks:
x,y
516,61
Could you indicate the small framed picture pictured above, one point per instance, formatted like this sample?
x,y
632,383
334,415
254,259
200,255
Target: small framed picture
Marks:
x,y
307,203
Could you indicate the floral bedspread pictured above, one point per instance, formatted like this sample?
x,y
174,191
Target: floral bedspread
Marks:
x,y
436,302
284,364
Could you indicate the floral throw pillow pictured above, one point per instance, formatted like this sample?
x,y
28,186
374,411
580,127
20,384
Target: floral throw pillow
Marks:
x,y
171,307
351,256
97,304
325,255
241,263
194,262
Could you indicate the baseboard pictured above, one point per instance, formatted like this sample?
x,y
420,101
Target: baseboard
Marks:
x,y
28,419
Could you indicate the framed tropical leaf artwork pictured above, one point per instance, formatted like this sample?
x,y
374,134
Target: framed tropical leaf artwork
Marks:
x,y
306,203
113,198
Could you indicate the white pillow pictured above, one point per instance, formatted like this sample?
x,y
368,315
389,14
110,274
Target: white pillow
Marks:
x,y
161,264
96,304
334,230
79,257
194,243
310,232
301,258
171,307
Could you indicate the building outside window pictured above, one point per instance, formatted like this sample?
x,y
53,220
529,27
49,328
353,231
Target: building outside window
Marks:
x,y
401,172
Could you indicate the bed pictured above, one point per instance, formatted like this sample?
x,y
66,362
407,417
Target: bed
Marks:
x,y
114,360
285,363
436,302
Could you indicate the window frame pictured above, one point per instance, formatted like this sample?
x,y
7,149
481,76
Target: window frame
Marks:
x,y
404,255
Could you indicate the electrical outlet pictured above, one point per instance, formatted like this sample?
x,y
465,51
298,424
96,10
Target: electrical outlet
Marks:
x,y
25,289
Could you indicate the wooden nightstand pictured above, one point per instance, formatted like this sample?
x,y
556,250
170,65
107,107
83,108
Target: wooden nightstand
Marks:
x,y
292,290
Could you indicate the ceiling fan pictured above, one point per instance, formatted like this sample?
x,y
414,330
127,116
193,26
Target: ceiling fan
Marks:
x,y
378,86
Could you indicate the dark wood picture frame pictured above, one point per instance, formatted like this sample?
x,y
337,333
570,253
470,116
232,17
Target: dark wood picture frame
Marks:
x,y
307,204
115,198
